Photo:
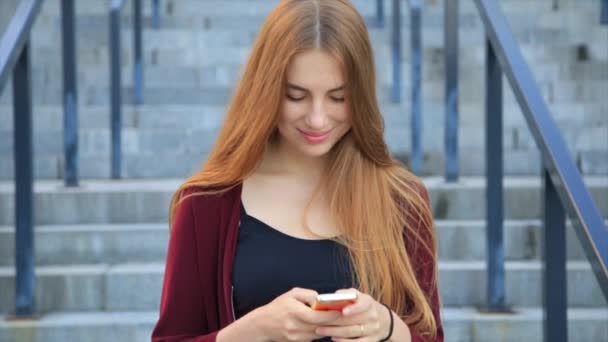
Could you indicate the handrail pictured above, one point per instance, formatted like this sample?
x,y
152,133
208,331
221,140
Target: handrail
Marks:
x,y
570,187
564,190
15,60
17,34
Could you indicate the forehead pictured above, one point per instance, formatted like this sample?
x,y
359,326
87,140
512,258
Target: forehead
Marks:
x,y
315,69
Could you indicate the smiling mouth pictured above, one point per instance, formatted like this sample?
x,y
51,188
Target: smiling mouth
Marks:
x,y
315,138
315,134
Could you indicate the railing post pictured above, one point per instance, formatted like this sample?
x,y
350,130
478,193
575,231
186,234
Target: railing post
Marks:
x,y
138,65
116,87
554,275
380,13
156,14
396,51
494,187
416,86
25,282
70,94
450,35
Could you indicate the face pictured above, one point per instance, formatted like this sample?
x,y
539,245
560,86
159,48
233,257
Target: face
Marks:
x,y
314,113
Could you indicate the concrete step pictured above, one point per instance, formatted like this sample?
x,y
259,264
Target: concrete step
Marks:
x,y
213,84
217,32
465,324
222,75
219,94
96,142
137,286
146,201
170,164
49,118
122,243
194,14
194,51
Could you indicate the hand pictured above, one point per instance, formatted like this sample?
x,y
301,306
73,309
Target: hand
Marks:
x,y
364,321
290,318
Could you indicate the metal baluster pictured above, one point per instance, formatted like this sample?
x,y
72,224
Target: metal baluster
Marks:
x,y
138,65
396,51
70,94
554,275
116,101
25,281
416,84
494,189
451,90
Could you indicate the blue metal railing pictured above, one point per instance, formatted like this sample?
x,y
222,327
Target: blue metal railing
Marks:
x,y
380,13
564,190
115,88
416,84
15,60
415,7
156,14
450,38
396,50
70,94
115,76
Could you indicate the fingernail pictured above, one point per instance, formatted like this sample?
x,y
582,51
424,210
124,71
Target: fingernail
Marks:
x,y
346,311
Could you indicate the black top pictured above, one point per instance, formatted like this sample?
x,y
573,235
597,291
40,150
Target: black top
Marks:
x,y
269,263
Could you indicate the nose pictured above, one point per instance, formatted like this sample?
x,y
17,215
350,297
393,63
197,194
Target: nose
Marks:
x,y
317,117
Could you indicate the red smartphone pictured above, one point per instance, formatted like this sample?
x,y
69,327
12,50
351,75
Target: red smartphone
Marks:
x,y
334,301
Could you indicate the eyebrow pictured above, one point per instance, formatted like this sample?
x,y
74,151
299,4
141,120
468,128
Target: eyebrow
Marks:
x,y
289,85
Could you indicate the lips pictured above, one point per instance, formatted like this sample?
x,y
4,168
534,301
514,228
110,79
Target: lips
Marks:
x,y
315,134
315,137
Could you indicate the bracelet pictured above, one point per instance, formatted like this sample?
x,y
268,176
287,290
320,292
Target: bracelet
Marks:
x,y
390,329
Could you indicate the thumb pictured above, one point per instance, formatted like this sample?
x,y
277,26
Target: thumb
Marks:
x,y
348,290
305,296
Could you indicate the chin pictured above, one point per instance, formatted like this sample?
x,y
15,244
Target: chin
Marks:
x,y
315,151
311,150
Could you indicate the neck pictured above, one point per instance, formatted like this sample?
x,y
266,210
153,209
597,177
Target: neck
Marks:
x,y
288,161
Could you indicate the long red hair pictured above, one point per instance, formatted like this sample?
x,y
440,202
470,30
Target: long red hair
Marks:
x,y
375,202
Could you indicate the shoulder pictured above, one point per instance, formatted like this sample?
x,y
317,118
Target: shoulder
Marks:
x,y
203,207
206,197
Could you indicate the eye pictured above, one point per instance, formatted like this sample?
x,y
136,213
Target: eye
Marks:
x,y
335,99
295,99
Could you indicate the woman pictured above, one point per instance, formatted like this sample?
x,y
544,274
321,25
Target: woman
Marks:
x,y
301,196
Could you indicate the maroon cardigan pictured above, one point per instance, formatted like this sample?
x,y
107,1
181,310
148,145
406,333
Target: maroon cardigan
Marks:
x,y
196,299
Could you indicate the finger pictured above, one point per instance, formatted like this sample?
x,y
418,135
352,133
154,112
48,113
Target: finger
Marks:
x,y
348,331
317,317
349,320
363,304
361,339
305,296
348,290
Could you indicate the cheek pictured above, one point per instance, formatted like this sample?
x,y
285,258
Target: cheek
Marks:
x,y
290,111
343,115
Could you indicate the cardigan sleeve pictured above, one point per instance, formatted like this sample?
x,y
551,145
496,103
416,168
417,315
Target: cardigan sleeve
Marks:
x,y
425,271
181,308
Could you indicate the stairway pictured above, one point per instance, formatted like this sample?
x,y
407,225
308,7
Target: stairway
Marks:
x,y
100,248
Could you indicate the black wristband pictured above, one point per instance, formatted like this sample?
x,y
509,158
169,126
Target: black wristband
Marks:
x,y
390,329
